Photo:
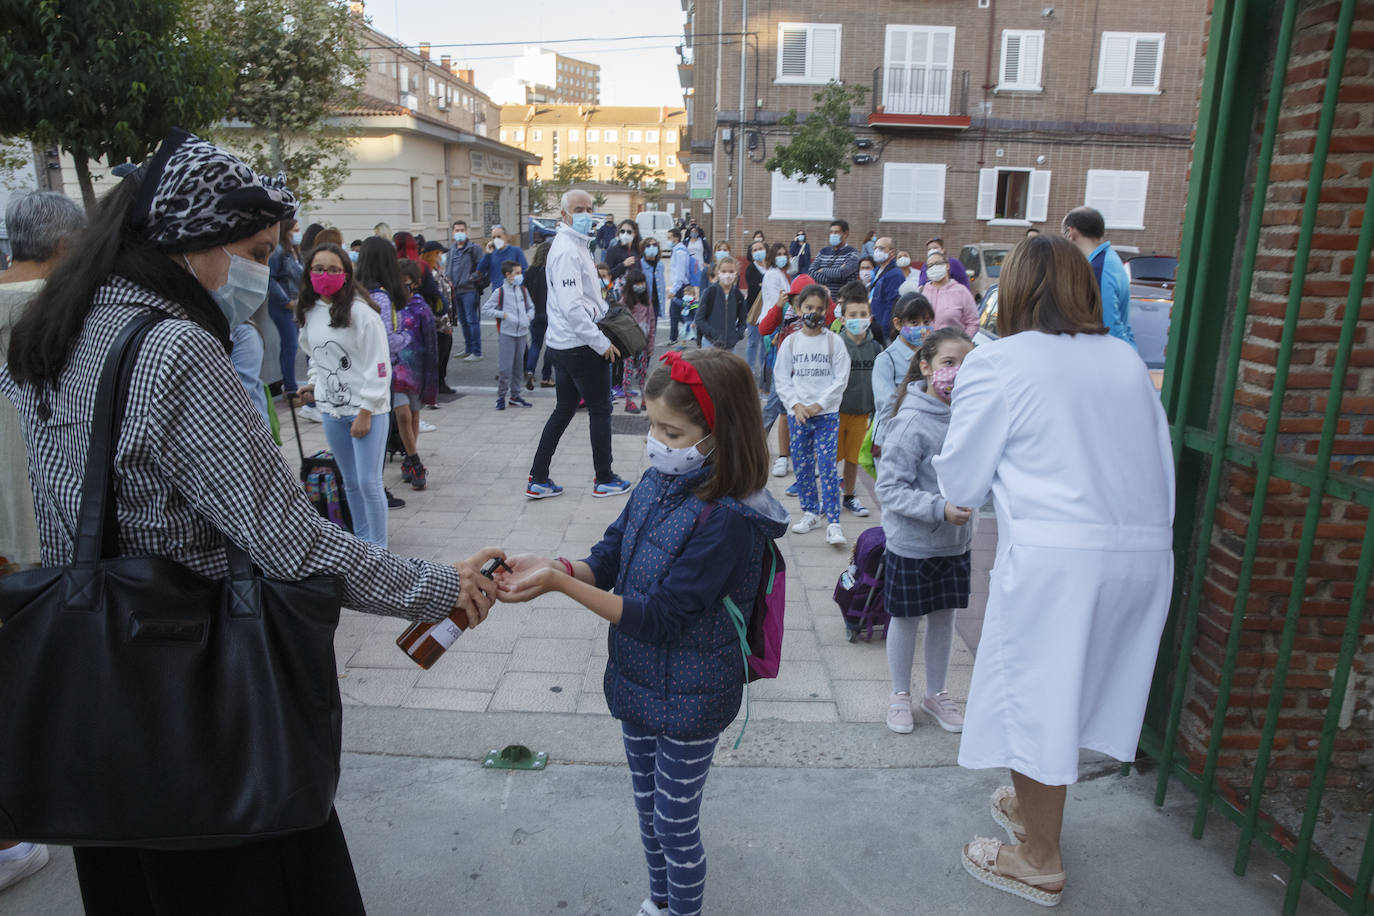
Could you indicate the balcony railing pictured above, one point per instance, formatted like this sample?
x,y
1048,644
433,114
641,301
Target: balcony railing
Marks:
x,y
905,96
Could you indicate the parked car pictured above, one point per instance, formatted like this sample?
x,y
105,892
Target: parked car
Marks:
x,y
983,262
1151,305
542,227
654,224
1154,267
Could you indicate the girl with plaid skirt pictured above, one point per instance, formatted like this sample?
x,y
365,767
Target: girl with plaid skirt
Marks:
x,y
926,571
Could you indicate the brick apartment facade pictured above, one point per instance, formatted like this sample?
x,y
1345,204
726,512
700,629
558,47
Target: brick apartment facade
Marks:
x,y
984,118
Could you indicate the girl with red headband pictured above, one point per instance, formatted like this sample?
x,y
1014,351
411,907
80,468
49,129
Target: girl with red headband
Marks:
x,y
693,533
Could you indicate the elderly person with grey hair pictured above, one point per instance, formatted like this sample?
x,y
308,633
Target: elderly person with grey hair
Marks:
x,y
42,226
489,271
581,354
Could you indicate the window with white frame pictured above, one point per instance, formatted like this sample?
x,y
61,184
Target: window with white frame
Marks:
x,y
1119,195
610,160
1022,52
793,199
1130,62
651,160
593,159
918,69
536,135
651,136
572,135
808,52
671,186
593,135
611,135
914,192
671,160
633,136
519,136
634,159
1012,196
670,136
503,136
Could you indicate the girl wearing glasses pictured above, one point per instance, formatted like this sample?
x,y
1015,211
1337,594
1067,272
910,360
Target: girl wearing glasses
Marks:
x,y
350,378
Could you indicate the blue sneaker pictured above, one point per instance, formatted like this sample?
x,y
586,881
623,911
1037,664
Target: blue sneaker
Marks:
x,y
542,490
500,403
792,490
613,487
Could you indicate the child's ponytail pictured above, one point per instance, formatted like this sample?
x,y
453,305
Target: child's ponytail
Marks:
x,y
929,349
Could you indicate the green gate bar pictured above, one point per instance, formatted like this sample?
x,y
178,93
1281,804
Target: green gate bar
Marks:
x,y
1328,437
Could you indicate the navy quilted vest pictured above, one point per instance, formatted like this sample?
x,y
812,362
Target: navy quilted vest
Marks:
x,y
690,687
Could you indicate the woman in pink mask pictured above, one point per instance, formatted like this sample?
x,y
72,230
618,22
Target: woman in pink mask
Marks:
x,y
350,380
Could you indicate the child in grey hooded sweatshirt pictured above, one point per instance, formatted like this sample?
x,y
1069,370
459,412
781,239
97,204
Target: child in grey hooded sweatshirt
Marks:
x,y
927,564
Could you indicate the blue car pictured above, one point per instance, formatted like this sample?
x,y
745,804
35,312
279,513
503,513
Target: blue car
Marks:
x,y
541,228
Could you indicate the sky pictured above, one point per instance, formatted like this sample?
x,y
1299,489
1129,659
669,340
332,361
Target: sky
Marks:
x,y
634,70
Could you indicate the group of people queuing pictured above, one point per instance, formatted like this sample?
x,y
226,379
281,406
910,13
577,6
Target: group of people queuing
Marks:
x,y
873,367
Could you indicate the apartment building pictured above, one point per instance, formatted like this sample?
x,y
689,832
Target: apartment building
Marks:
x,y
425,153
575,82
602,136
983,118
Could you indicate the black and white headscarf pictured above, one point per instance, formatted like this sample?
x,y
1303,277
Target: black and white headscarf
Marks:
x,y
195,195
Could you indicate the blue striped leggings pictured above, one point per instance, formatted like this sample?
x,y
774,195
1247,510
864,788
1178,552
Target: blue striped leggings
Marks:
x,y
669,778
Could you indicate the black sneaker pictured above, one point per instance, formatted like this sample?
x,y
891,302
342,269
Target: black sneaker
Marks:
x,y
529,381
392,502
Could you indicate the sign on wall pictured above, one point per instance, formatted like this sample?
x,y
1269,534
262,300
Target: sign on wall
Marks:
x,y
700,178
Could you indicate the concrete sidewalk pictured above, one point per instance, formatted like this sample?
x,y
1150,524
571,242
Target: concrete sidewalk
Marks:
x,y
431,832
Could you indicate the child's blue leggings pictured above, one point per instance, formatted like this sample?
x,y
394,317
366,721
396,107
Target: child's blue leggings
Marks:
x,y
669,777
814,444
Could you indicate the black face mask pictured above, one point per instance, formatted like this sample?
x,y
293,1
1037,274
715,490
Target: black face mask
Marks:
x,y
813,319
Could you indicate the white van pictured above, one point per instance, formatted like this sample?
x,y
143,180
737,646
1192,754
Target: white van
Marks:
x,y
654,224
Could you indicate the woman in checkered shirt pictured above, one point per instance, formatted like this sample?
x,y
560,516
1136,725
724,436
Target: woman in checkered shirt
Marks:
x,y
188,235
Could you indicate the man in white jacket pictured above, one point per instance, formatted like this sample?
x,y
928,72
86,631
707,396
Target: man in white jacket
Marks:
x,y
581,354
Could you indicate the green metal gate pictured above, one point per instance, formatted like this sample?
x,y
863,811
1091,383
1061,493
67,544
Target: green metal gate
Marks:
x,y
1230,184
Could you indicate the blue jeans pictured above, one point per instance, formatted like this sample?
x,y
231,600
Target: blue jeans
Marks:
x,y
470,320
753,353
674,317
360,465
285,323
538,328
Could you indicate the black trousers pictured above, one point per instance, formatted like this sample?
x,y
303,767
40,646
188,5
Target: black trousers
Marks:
x,y
304,873
445,351
580,373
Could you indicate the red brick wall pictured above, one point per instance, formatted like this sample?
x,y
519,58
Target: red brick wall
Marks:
x,y
1330,585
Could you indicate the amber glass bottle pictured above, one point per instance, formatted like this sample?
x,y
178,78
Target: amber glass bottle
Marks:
x,y
424,641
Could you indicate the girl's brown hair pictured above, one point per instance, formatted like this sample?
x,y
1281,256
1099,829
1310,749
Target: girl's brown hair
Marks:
x,y
1047,285
774,250
740,460
341,308
927,351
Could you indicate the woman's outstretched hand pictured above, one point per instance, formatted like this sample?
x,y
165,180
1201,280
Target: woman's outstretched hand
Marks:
x,y
476,592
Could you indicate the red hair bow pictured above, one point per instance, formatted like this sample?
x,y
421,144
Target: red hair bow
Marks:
x,y
683,371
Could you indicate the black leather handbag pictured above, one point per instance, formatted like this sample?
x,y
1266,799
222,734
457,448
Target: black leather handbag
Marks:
x,y
145,705
621,329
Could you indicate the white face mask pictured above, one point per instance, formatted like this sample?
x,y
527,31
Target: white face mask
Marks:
x,y
904,261
727,279
674,461
498,243
244,290
937,272
626,238
879,255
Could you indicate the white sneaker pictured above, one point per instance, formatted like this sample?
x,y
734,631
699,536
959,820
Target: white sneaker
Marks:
x,y
780,467
12,871
473,358
310,412
426,427
834,534
808,523
647,908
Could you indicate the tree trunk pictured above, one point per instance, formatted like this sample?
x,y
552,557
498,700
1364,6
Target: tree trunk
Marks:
x,y
83,178
274,148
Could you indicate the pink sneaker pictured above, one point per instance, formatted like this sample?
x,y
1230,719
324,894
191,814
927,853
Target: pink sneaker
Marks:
x,y
899,713
942,709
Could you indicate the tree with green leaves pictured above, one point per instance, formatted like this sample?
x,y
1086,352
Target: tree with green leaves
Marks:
x,y
105,79
820,148
639,177
297,64
544,195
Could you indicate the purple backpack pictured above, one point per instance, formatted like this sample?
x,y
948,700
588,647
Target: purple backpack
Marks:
x,y
859,592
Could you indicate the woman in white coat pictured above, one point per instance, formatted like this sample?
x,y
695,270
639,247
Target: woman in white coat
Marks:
x,y
1062,424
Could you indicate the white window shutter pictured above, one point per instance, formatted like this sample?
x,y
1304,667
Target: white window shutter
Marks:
x,y
987,194
1011,59
1031,56
1131,188
1114,63
792,55
1038,201
928,198
898,185
1145,64
825,53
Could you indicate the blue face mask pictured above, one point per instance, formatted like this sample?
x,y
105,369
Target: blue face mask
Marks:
x,y
759,256
460,237
651,251
582,223
517,279
834,238
780,260
244,291
353,256
856,326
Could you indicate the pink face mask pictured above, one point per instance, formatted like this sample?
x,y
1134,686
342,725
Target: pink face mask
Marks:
x,y
327,284
942,382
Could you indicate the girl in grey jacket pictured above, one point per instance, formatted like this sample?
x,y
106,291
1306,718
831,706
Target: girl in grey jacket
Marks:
x,y
927,564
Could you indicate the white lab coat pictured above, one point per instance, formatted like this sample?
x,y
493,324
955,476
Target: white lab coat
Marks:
x,y
1069,434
